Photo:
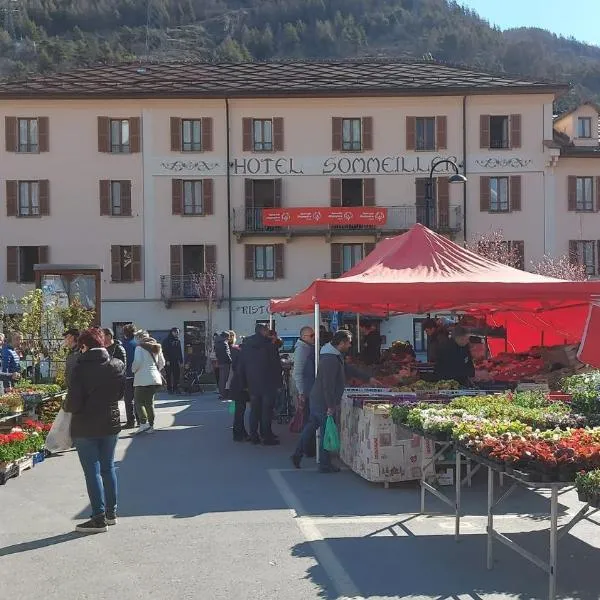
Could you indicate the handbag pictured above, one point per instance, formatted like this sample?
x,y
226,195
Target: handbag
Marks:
x,y
297,422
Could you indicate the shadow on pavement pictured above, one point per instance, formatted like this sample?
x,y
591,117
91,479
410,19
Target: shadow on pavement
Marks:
x,y
41,543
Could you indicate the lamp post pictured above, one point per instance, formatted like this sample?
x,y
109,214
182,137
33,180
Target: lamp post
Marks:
x,y
458,177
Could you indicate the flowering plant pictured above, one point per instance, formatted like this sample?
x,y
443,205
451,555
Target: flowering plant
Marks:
x,y
13,445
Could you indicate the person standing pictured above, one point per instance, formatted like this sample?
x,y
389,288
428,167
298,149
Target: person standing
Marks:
x,y
11,362
437,338
129,345
371,353
148,361
97,384
223,356
113,346
304,350
71,342
171,350
454,360
237,392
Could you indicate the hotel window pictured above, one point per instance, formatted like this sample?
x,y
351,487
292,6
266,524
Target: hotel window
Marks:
x,y
119,136
262,135
351,135
500,131
346,256
28,135
20,261
264,262
29,198
585,199
584,127
583,252
126,263
352,254
192,198
425,133
262,130
500,194
583,196
115,198
191,135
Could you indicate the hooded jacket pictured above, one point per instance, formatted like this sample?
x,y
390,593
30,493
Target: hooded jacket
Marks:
x,y
259,366
148,361
302,353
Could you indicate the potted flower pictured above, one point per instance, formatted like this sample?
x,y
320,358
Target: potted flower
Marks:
x,y
588,487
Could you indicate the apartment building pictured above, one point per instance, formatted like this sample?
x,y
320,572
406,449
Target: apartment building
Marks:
x,y
269,175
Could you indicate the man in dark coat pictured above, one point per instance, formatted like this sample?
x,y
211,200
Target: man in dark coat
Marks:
x,y
454,359
437,336
114,347
173,354
371,352
223,356
71,338
129,345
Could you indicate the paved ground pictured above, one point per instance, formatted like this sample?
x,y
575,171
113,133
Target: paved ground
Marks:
x,y
204,518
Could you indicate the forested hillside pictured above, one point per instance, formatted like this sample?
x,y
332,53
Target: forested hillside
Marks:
x,y
42,35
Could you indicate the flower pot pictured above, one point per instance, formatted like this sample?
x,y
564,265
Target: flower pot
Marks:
x,y
583,497
594,500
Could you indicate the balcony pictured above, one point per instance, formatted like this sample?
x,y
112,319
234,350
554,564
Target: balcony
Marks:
x,y
191,288
249,222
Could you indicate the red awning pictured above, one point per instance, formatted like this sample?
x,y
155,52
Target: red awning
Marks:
x,y
420,272
589,351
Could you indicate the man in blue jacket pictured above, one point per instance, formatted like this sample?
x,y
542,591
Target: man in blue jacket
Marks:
x,y
11,363
129,345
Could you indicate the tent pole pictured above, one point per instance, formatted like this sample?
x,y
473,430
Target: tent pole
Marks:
x,y
271,321
358,334
317,328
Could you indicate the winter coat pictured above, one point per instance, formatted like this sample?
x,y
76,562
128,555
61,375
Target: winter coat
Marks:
x,y
260,367
97,385
222,352
436,341
372,348
130,347
148,361
171,348
454,362
70,363
308,373
302,352
11,363
116,350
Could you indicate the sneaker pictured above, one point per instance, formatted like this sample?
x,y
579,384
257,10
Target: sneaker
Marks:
x,y
111,518
94,525
150,429
142,428
296,460
129,425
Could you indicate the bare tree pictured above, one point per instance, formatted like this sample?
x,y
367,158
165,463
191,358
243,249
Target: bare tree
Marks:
x,y
493,246
205,286
560,268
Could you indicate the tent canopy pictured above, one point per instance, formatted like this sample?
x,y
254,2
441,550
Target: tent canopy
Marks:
x,y
421,271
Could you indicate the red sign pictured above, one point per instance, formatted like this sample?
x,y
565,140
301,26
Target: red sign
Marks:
x,y
361,215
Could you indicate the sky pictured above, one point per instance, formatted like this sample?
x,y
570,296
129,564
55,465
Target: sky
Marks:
x,y
579,18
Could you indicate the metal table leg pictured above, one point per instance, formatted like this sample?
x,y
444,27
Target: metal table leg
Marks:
x,y
457,484
490,524
553,542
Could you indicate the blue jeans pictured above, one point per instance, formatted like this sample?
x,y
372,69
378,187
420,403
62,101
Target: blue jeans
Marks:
x,y
97,458
315,421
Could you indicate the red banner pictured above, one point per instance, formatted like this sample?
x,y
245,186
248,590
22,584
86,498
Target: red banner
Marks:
x,y
361,215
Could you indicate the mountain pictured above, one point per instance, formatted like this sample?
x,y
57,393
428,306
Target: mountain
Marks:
x,y
44,35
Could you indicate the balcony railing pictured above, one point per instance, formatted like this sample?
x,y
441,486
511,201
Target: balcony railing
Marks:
x,y
248,221
191,288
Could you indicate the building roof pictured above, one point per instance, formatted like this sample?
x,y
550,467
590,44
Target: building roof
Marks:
x,y
594,105
299,78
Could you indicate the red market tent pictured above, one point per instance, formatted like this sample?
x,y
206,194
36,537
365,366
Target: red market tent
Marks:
x,y
589,350
420,272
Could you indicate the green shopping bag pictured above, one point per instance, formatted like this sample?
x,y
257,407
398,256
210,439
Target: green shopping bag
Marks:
x,y
231,407
331,441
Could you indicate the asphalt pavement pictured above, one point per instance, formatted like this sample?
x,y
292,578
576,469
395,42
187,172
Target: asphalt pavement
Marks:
x,y
204,518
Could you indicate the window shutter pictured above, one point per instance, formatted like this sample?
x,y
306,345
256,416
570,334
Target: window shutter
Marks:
x,y
210,258
43,252
367,133
279,261
369,247
10,133
207,196
136,263
177,196
336,134
484,131
484,193
12,198
126,198
115,263
249,261
411,133
249,193
176,262
597,205
103,134
443,201
207,134
441,133
277,192
420,187
369,191
105,198
175,134
44,134
12,263
519,248
573,252
336,260
247,136
44,189
515,131
278,134
135,134
335,191
572,192
515,192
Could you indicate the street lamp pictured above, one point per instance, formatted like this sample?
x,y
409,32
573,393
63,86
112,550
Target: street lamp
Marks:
x,y
458,177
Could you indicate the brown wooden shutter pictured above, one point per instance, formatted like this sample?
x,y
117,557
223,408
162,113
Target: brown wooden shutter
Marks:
x,y
515,192
207,196
369,247
207,134
278,134
369,191
126,198
210,258
336,134
572,192
519,248
597,205
43,253
115,263
249,194
420,190
44,134
176,262
336,260
105,208
176,134
573,259
484,193
441,133
367,133
12,263
279,261
277,192
177,196
443,201
12,198
44,191
135,134
411,133
484,131
249,261
335,191
103,134
10,133
247,137
136,263
515,131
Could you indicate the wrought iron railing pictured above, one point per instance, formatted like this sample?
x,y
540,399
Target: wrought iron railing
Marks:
x,y
194,287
